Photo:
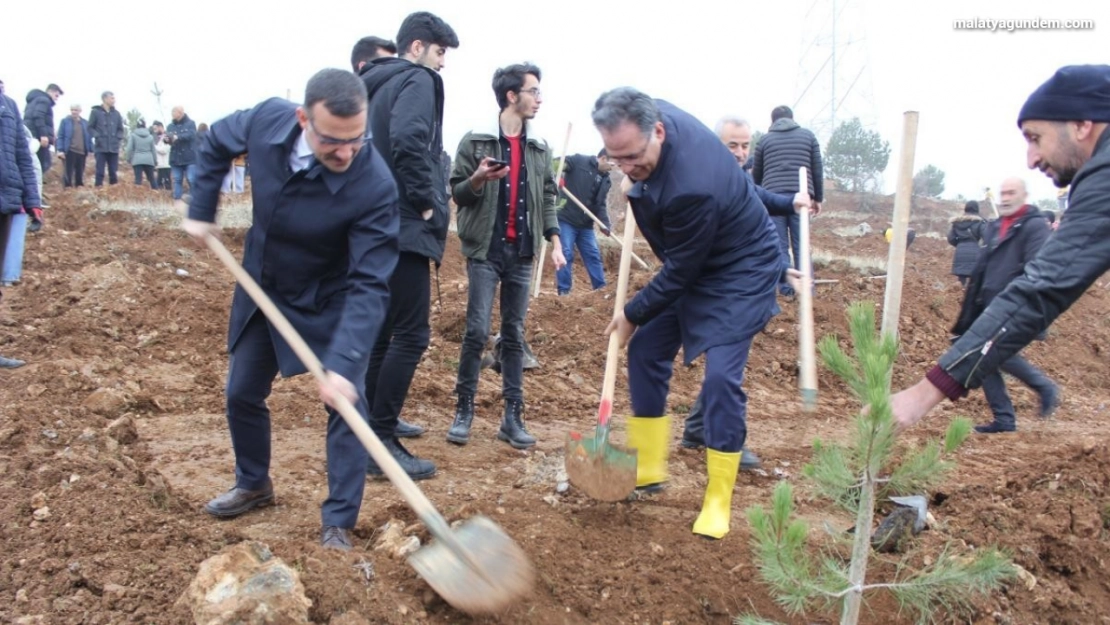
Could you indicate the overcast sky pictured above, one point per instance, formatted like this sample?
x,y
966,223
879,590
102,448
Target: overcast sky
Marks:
x,y
711,58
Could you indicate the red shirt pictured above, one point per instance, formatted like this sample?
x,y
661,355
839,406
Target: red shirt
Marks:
x,y
514,184
1009,220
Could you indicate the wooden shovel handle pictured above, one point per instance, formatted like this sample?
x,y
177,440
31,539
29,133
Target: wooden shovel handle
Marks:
x,y
612,357
806,340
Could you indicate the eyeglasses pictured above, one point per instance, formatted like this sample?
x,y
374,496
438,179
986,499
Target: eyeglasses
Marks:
x,y
535,91
616,161
333,142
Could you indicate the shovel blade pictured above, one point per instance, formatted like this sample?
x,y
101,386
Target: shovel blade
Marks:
x,y
600,469
505,574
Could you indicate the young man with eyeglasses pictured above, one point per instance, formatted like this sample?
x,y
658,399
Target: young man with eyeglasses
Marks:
x,y
322,245
406,121
504,185
702,217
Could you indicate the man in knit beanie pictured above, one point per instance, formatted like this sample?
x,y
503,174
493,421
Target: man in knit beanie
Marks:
x,y
1065,126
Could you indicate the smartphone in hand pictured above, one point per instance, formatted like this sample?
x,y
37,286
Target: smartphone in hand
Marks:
x,y
495,164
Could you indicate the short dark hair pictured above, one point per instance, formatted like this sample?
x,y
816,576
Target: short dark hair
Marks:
x,y
366,50
625,104
511,78
780,112
426,27
342,93
54,87
602,152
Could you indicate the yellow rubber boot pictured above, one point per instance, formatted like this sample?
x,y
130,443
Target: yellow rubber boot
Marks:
x,y
716,510
650,436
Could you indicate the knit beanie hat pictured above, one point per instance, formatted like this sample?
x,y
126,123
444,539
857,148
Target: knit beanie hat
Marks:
x,y
1074,93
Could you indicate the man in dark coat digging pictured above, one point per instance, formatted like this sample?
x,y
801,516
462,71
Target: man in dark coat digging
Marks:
x,y
721,264
322,245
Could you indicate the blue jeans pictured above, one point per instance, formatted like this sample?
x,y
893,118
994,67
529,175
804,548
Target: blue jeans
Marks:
x,y
189,172
515,276
994,387
586,241
13,253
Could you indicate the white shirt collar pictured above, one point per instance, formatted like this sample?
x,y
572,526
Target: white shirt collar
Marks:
x,y
301,156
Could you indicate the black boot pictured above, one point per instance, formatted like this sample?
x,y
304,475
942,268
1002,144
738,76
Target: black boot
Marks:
x,y
995,427
464,416
417,468
512,426
405,429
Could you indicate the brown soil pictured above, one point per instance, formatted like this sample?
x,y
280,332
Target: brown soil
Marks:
x,y
110,329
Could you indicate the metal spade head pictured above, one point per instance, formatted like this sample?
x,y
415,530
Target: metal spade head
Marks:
x,y
600,469
491,574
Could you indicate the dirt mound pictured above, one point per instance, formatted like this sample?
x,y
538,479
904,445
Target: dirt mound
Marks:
x,y
113,437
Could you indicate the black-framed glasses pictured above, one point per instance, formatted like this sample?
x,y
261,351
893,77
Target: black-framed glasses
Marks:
x,y
333,142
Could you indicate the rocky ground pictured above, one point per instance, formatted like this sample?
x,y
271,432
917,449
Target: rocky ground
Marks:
x,y
113,437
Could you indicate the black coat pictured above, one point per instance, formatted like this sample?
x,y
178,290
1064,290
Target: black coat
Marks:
x,y
406,120
590,186
184,139
966,234
321,244
778,155
18,188
700,213
39,114
106,127
1001,261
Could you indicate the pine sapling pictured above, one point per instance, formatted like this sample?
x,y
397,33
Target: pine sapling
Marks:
x,y
869,467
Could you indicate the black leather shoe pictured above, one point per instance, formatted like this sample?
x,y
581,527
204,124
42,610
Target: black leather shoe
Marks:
x,y
405,429
994,427
1050,402
464,416
239,500
512,426
417,468
748,460
335,538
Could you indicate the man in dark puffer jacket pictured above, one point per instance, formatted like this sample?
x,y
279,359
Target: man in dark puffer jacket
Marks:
x,y
39,117
965,235
19,191
778,155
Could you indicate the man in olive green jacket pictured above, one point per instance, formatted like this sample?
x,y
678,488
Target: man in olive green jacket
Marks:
x,y
504,185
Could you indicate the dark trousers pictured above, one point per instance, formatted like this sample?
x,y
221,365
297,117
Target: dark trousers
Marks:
x,y
111,160
401,343
250,378
789,228
651,354
994,387
75,170
45,158
5,234
148,171
164,180
514,273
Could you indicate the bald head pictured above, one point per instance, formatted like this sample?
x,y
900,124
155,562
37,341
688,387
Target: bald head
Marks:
x,y
178,113
736,134
1011,196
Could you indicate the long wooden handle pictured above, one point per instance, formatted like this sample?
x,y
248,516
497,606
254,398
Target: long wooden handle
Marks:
x,y
608,386
574,199
806,342
543,244
427,512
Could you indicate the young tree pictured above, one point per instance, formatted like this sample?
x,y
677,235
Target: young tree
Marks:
x,y
856,475
929,182
133,117
855,155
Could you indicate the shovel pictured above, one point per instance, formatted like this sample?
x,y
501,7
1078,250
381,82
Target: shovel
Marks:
x,y
602,470
475,567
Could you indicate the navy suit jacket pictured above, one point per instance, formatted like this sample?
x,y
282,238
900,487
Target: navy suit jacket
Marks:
x,y
322,244
702,216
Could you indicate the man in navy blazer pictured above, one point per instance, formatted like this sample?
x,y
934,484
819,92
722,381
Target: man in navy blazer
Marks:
x,y
721,263
322,245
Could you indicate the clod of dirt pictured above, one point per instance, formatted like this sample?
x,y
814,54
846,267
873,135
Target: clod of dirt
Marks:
x,y
894,530
245,584
348,618
41,514
394,541
38,500
106,401
123,430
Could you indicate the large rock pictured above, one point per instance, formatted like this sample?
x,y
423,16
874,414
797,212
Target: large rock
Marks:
x,y
246,585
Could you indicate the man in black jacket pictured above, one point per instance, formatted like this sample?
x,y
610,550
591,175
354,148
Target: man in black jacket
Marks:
x,y
322,244
369,48
778,155
1011,241
1065,126
39,117
106,127
406,121
587,178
